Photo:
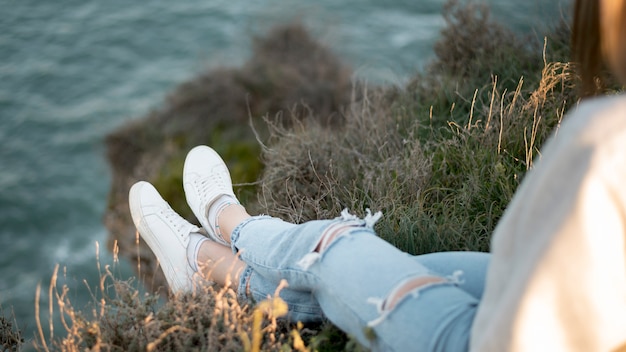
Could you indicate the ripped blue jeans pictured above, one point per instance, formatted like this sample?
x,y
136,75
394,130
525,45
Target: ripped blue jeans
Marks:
x,y
340,269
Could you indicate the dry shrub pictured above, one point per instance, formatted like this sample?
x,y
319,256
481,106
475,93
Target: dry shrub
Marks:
x,y
472,44
211,319
313,172
294,72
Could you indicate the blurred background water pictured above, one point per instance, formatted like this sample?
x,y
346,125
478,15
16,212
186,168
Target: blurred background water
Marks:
x,y
73,70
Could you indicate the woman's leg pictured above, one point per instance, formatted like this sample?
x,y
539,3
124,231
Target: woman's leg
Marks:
x,y
188,259
469,267
218,264
367,287
209,193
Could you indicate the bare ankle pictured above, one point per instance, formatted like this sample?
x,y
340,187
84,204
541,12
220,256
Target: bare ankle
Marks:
x,y
217,263
229,217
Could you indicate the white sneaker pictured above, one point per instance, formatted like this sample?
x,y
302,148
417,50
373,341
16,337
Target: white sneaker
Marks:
x,y
205,179
165,232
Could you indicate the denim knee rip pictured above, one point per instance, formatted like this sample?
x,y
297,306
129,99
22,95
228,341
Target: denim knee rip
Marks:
x,y
342,227
409,287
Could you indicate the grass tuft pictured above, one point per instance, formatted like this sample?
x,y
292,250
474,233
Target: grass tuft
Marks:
x,y
210,319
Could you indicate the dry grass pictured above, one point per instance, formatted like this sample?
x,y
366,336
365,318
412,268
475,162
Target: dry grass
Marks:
x,y
211,319
313,172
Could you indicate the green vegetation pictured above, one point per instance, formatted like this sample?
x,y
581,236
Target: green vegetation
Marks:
x,y
440,157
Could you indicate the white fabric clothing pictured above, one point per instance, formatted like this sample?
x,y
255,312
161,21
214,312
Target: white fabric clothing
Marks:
x,y
557,278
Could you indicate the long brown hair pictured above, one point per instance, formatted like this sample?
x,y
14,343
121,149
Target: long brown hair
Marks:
x,y
599,42
586,45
